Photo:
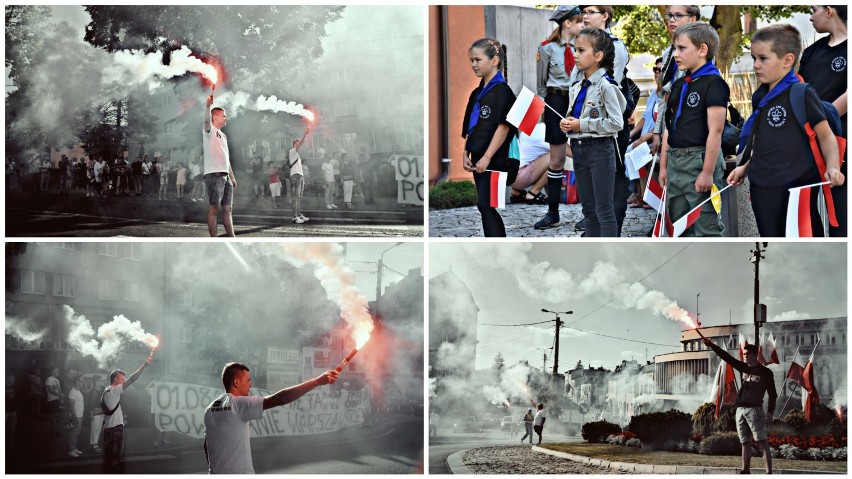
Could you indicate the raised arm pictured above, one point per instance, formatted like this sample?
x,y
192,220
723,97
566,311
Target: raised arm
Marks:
x,y
133,377
302,139
207,119
288,395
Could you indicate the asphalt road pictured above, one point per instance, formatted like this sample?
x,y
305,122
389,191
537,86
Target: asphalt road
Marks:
x,y
22,222
395,447
448,442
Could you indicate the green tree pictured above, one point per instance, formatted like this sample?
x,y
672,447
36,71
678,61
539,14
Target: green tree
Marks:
x,y
498,364
643,29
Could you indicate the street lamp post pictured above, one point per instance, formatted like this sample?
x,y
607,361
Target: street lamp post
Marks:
x,y
379,273
556,342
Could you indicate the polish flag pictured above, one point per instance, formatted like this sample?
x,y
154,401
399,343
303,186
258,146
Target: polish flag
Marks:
x,y
743,342
810,396
678,227
767,346
497,189
660,206
796,372
799,212
724,387
654,194
526,111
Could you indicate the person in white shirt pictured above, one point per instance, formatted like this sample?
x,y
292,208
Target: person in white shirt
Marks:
x,y
75,398
328,174
538,421
114,417
297,177
226,430
218,174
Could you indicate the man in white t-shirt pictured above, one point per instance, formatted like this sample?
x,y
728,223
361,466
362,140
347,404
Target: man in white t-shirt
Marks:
x,y
114,417
328,174
538,421
297,178
75,398
54,400
218,174
226,430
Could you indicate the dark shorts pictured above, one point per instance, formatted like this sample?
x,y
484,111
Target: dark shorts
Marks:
x,y
552,134
220,191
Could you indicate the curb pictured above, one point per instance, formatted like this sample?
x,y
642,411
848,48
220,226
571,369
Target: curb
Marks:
x,y
454,461
658,468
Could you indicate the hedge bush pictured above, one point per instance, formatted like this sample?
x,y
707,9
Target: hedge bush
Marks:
x,y
656,428
721,444
452,194
598,431
705,424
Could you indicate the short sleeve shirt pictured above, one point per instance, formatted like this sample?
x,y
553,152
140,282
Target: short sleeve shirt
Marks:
x,y
824,67
781,154
76,397
539,418
216,156
295,162
533,146
494,107
52,386
226,431
112,397
691,129
328,171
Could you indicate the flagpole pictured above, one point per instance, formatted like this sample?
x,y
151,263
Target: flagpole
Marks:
x,y
554,111
781,413
810,358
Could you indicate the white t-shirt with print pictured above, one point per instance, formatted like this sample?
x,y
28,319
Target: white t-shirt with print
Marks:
x,y
52,386
217,159
539,418
226,431
295,162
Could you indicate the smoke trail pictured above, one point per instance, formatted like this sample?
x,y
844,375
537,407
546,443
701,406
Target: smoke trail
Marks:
x,y
19,328
337,281
146,67
605,280
106,345
495,395
274,104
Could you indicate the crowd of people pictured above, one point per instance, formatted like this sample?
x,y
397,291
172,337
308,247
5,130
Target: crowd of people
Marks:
x,y
582,78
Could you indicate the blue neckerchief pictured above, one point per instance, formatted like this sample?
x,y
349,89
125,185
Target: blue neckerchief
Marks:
x,y
706,70
581,97
757,104
474,114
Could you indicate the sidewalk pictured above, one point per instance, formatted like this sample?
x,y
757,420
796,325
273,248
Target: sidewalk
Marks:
x,y
520,218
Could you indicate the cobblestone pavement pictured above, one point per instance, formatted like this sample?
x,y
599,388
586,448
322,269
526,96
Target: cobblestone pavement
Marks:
x,y
519,220
522,460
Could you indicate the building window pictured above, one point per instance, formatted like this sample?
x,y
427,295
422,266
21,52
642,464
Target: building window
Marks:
x,y
64,285
108,249
108,289
32,282
185,297
68,246
132,251
132,292
186,334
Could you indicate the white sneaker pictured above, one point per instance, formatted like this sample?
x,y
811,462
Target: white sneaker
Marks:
x,y
333,205
298,220
78,451
303,217
329,206
74,454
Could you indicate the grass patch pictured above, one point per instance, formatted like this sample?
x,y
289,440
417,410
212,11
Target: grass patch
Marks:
x,y
611,452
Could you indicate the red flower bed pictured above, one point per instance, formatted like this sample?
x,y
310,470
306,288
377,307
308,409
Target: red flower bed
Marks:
x,y
821,442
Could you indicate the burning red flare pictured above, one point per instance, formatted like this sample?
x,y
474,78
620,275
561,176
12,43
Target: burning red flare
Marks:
x,y
215,75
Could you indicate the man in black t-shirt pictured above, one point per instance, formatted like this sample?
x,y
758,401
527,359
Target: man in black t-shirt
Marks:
x,y
756,381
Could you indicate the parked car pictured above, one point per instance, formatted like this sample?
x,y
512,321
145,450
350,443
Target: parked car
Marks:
x,y
509,424
467,424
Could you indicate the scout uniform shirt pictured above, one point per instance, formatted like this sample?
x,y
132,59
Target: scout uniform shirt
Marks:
x,y
691,129
603,107
550,67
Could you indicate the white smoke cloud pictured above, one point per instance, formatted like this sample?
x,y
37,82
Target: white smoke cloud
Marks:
x,y
106,344
20,328
147,68
275,105
605,280
337,280
790,316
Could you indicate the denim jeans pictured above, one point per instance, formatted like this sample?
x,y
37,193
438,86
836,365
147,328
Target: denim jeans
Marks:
x,y
594,167
113,449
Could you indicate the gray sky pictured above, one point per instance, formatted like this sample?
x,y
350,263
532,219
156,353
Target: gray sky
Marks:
x,y
511,283
406,256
